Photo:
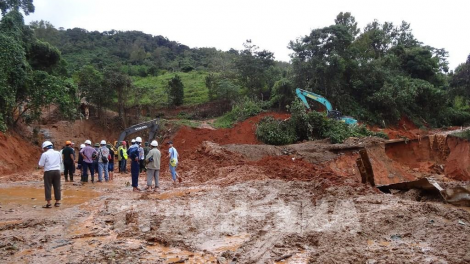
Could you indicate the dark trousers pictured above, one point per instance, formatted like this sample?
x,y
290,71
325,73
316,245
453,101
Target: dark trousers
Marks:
x,y
52,179
142,166
95,165
135,166
123,165
119,165
68,170
88,166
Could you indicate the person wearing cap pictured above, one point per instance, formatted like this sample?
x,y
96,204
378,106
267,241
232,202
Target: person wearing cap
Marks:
x,y
122,157
103,160
111,162
88,152
153,165
68,156
50,160
173,157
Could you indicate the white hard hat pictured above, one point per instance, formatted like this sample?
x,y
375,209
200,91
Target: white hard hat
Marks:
x,y
46,144
133,140
103,142
154,143
82,146
88,142
138,139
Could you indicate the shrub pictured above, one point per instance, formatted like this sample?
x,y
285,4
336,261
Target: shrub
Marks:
x,y
275,132
312,125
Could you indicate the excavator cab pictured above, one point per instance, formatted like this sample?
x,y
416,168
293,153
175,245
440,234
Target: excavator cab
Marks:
x,y
334,114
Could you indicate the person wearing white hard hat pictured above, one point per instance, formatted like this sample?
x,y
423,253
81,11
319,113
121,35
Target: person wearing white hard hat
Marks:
x,y
50,160
103,160
138,141
133,154
88,153
153,165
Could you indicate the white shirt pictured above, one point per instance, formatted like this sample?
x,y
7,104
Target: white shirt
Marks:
x,y
50,160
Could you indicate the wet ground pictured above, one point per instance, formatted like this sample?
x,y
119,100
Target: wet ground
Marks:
x,y
246,203
267,221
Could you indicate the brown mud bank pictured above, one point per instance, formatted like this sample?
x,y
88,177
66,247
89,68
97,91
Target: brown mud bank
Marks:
x,y
442,156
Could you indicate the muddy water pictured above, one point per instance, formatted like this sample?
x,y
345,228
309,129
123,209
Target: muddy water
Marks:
x,y
27,195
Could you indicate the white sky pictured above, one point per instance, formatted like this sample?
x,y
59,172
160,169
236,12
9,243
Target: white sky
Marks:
x,y
270,25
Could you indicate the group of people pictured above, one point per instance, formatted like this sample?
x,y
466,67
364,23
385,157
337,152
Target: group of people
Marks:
x,y
101,158
145,159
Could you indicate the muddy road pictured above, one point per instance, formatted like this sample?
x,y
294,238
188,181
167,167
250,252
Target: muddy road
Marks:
x,y
251,222
244,202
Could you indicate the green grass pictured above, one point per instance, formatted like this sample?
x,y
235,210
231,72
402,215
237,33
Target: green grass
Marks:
x,y
186,122
225,121
153,88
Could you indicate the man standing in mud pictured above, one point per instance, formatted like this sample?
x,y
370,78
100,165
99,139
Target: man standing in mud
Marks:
x,y
153,165
88,153
122,155
173,156
50,160
68,156
135,166
103,160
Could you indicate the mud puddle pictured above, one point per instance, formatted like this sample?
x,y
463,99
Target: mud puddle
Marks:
x,y
27,195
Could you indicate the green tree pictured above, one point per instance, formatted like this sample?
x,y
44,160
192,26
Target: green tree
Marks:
x,y
211,85
460,80
282,93
91,86
380,74
7,5
121,84
252,67
175,90
348,21
24,86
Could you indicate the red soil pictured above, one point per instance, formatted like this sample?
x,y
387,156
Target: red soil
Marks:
x,y
188,139
404,129
17,155
458,162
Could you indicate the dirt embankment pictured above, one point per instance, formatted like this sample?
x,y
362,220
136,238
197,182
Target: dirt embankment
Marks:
x,y
17,155
458,162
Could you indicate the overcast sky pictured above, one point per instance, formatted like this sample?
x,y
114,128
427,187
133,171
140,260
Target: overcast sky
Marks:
x,y
270,24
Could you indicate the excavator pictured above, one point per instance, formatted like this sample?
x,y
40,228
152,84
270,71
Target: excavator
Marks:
x,y
151,125
335,114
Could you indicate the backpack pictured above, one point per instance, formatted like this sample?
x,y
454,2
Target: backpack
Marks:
x,y
133,153
103,158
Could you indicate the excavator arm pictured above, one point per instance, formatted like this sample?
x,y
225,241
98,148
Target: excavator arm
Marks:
x,y
151,125
302,94
335,114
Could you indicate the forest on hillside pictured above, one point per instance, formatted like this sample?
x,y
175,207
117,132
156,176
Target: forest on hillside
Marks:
x,y
377,74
